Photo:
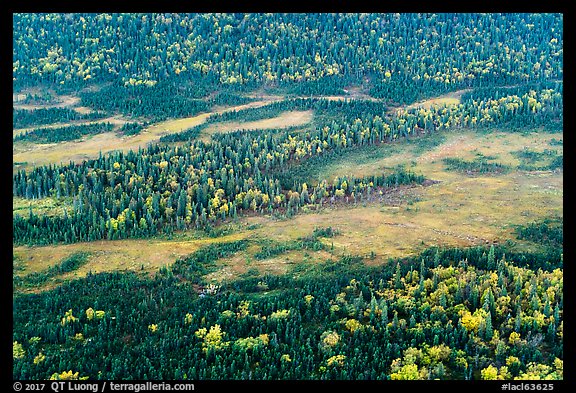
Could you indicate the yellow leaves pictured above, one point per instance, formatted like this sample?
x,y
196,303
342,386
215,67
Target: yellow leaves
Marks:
x,y
337,360
212,338
559,365
352,325
512,361
265,199
39,358
536,371
412,355
329,338
78,337
439,353
492,373
472,321
188,319
17,350
112,223
153,328
214,335
407,372
285,358
264,338
90,314
243,309
215,202
308,299
252,342
68,318
280,314
67,376
514,338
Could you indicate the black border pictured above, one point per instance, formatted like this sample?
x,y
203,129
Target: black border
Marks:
x,y
312,7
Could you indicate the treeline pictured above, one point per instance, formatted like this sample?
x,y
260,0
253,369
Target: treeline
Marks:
x,y
428,317
534,108
549,232
172,97
273,248
119,207
325,112
26,118
61,134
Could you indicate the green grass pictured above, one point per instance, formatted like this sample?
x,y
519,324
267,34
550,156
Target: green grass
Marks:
x,y
532,160
481,164
346,162
67,265
45,206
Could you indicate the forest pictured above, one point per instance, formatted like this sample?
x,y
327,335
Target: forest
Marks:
x,y
208,132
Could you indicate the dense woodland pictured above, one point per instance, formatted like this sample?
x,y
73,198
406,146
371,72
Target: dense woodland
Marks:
x,y
406,54
478,313
448,314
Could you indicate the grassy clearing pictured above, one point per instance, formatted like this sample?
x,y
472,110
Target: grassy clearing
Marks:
x,y
245,264
285,119
144,256
28,155
459,211
45,206
419,153
452,98
59,101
